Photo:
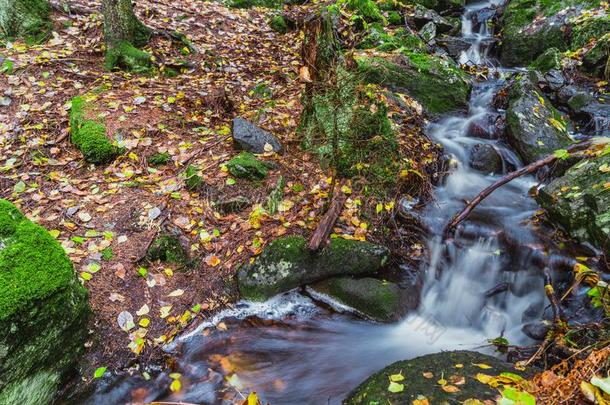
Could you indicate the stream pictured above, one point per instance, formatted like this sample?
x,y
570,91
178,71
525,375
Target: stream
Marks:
x,y
292,351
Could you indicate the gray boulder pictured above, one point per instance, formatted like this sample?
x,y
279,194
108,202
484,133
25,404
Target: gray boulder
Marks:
x,y
422,16
286,263
580,201
533,126
453,45
251,138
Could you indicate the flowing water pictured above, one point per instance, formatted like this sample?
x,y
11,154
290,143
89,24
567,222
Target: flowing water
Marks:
x,y
292,351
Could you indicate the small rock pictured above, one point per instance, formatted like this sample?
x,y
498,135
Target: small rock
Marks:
x,y
535,330
453,45
253,139
421,16
428,32
485,158
232,205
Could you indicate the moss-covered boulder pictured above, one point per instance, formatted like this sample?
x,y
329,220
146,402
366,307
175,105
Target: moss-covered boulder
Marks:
x,y
27,19
278,24
580,201
549,60
43,312
369,297
533,126
88,132
438,83
123,55
406,381
167,248
386,40
287,263
247,166
595,60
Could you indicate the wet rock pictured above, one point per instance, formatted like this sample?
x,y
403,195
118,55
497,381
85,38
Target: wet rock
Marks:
x,y
550,59
482,16
485,127
437,83
441,365
232,205
253,139
453,45
43,312
422,16
371,298
594,61
428,32
286,263
528,32
533,126
535,330
580,202
591,116
485,158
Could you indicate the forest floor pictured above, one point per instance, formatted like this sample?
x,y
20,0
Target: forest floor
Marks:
x,y
107,216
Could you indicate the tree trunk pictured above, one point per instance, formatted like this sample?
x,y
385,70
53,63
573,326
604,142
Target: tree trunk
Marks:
x,y
124,33
122,25
27,19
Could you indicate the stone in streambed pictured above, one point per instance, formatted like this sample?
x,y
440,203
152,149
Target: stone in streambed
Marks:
x,y
453,45
533,126
579,201
286,263
43,312
251,138
369,297
486,159
374,390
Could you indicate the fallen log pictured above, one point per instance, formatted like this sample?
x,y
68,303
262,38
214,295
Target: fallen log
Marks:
x,y
532,167
322,232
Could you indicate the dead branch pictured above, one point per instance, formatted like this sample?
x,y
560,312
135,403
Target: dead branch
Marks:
x,y
322,232
532,167
71,8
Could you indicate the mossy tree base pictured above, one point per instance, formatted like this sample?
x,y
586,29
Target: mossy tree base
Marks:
x,y
125,56
27,19
43,312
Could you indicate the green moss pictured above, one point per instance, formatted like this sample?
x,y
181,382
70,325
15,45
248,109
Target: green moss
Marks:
x,y
366,142
435,82
247,166
592,28
89,135
192,180
27,19
123,55
549,60
388,41
278,24
168,249
107,254
394,18
32,264
159,159
595,61
367,9
255,3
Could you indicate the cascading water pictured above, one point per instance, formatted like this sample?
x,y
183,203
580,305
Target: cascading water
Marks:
x,y
293,352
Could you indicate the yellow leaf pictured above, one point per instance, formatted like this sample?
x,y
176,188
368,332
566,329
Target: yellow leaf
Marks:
x,y
212,261
482,365
176,293
144,322
175,386
252,398
397,377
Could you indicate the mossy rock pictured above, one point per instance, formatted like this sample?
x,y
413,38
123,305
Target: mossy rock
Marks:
x,y
255,3
27,19
591,28
247,166
89,133
533,126
450,366
43,312
579,201
533,26
595,60
370,297
286,263
549,60
437,83
123,55
384,41
168,249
